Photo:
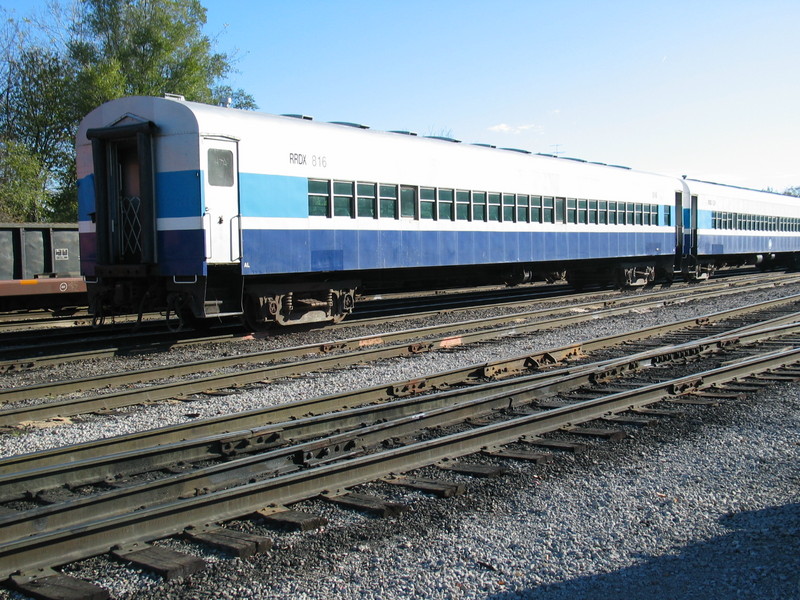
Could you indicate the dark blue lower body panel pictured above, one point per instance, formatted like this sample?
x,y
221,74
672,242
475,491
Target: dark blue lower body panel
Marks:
x,y
180,252
750,244
303,251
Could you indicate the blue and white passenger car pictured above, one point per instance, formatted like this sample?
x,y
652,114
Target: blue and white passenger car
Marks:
x,y
210,211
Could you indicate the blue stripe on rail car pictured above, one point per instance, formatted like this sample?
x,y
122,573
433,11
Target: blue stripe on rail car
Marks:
x,y
85,197
178,194
273,195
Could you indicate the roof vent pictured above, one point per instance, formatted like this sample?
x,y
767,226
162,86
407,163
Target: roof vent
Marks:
x,y
348,124
443,138
403,132
303,117
516,150
177,97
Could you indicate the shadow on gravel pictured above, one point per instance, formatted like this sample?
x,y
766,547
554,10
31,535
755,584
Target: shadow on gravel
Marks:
x,y
758,560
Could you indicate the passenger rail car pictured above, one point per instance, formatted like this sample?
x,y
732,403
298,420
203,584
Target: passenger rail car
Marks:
x,y
209,211
39,268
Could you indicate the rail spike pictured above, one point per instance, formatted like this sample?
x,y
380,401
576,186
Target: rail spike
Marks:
x,y
409,389
686,387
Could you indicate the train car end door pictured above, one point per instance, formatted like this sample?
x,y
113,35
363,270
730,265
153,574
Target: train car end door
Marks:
x,y
221,218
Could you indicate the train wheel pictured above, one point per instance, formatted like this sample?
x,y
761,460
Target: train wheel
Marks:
x,y
253,316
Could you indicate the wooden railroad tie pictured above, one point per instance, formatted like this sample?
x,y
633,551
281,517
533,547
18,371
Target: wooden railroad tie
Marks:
x,y
287,518
438,487
236,543
367,503
47,584
167,563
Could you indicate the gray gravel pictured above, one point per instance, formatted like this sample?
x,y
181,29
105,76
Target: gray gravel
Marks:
x,y
705,505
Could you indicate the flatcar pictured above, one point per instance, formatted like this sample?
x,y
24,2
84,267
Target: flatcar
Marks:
x,y
207,211
40,268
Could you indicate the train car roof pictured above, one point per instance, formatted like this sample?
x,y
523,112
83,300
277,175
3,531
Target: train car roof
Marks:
x,y
173,115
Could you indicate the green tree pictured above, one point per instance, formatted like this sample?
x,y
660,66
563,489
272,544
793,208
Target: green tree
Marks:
x,y
22,184
112,48
149,48
793,191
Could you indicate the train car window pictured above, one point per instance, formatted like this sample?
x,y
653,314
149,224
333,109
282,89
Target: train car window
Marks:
x,y
629,214
342,198
654,214
365,201
536,209
602,212
478,206
427,203
319,198
388,201
572,210
668,216
593,212
446,205
523,210
220,167
508,207
560,210
612,213
408,202
494,207
582,212
637,214
547,209
462,205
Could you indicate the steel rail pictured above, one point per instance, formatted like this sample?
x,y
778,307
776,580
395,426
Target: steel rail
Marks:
x,y
12,416
355,431
20,483
172,517
381,393
753,281
193,368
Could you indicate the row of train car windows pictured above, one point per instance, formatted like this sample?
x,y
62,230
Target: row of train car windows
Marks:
x,y
729,220
372,200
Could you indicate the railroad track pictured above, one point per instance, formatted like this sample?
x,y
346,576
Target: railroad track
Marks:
x,y
20,350
228,373
233,474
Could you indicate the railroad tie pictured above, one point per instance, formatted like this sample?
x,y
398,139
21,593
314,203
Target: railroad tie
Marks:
x,y
287,518
367,503
657,412
440,488
574,447
167,563
48,584
626,420
236,543
600,432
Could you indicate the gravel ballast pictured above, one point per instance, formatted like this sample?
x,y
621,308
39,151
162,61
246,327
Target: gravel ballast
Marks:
x,y
703,505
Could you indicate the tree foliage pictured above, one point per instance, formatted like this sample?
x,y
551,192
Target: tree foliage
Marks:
x,y
793,191
22,184
113,48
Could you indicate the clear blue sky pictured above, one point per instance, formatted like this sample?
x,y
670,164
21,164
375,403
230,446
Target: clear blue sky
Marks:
x,y
710,89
